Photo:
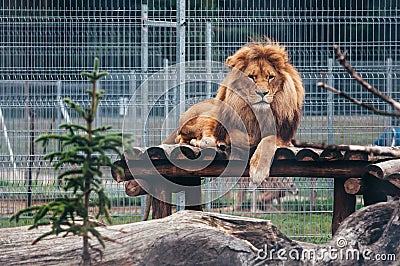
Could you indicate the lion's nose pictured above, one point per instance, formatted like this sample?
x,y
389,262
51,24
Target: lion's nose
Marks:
x,y
262,94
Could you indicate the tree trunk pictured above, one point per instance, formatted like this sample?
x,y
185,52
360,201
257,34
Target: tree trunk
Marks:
x,y
192,237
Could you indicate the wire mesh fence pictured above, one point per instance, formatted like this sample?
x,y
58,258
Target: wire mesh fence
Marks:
x,y
45,45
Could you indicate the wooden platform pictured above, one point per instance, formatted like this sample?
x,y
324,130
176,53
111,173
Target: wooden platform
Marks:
x,y
373,172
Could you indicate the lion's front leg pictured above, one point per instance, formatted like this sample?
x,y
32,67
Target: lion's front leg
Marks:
x,y
261,160
204,142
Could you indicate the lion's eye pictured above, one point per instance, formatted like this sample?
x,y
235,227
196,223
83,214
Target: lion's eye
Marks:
x,y
252,77
271,78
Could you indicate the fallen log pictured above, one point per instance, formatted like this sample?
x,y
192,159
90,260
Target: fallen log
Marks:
x,y
192,237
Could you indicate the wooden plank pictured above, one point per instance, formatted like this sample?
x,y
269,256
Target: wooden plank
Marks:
x,y
161,206
375,191
331,155
280,168
395,180
212,154
284,154
356,155
347,152
383,170
373,150
193,194
184,152
343,204
154,153
307,155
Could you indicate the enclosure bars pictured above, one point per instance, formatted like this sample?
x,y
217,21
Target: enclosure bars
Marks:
x,y
180,59
30,120
208,95
389,91
144,64
330,101
180,26
10,151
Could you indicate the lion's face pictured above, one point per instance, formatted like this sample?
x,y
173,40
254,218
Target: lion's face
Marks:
x,y
267,82
259,78
262,79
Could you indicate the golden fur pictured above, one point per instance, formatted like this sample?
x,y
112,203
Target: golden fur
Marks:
x,y
258,105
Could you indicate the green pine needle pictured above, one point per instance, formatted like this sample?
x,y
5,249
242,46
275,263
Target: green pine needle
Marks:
x,y
84,151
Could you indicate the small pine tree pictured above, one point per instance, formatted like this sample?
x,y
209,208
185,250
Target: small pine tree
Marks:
x,y
84,149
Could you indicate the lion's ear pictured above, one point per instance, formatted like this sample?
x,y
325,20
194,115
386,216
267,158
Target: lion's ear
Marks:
x,y
239,59
230,61
236,61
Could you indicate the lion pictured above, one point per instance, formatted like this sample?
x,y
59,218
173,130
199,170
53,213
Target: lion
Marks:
x,y
258,106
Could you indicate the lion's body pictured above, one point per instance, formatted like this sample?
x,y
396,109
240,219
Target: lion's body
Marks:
x,y
258,105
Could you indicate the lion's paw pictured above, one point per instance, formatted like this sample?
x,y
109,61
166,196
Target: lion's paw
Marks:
x,y
203,143
194,142
258,175
207,142
179,139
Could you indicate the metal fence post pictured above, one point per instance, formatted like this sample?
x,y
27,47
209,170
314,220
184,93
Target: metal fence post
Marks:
x,y
180,200
180,53
208,95
144,87
166,105
208,57
389,90
330,101
59,112
132,108
145,65
29,120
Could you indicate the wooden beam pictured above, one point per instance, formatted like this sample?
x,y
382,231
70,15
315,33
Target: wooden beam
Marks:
x,y
376,190
193,194
280,168
393,152
383,170
161,206
386,170
343,204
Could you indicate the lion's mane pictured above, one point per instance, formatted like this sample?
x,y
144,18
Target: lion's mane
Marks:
x,y
288,99
270,62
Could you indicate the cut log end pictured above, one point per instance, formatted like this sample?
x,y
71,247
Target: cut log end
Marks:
x,y
354,186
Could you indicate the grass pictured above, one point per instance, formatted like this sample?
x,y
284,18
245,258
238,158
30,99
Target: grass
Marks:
x,y
307,227
298,221
27,221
